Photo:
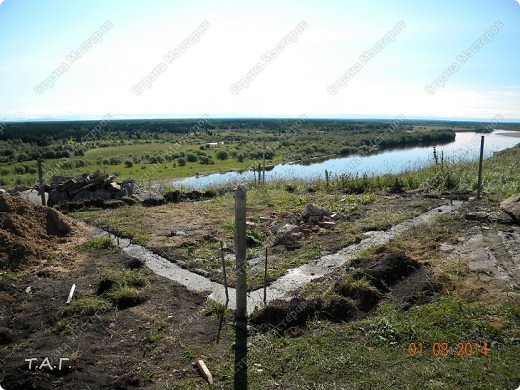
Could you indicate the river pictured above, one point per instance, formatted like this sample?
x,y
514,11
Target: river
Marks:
x,y
465,147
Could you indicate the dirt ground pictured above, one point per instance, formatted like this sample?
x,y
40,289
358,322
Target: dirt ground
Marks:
x,y
189,233
152,344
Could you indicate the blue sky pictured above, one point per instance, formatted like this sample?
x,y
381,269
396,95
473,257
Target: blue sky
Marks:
x,y
36,37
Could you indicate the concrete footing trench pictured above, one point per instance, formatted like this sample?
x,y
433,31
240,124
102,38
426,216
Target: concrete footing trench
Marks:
x,y
284,287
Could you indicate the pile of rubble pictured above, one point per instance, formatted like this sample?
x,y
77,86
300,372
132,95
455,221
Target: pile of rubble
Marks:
x,y
86,188
96,189
310,221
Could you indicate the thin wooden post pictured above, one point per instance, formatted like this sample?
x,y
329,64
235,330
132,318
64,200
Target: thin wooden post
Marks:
x,y
265,277
479,185
40,176
240,380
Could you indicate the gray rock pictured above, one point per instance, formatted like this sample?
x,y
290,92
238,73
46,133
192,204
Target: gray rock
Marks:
x,y
315,210
276,227
287,229
2,191
289,235
129,187
512,207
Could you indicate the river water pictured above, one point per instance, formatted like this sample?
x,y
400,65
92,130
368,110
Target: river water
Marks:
x,y
465,147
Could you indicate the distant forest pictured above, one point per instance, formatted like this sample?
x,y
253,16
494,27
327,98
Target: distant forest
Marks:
x,y
47,133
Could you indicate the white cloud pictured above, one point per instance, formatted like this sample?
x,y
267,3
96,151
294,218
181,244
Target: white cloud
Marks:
x,y
1,1
518,1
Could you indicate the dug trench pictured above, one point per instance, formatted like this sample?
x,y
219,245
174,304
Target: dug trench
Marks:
x,y
389,273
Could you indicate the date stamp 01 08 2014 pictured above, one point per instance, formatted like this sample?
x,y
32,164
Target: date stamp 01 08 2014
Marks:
x,y
460,349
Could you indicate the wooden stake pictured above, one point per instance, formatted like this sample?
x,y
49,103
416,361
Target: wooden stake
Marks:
x,y
69,299
40,176
240,379
479,185
205,371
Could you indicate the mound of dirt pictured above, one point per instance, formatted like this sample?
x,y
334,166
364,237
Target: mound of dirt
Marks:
x,y
282,315
416,289
339,309
29,233
387,269
391,271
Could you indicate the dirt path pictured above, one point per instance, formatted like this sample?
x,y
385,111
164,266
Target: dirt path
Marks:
x,y
284,287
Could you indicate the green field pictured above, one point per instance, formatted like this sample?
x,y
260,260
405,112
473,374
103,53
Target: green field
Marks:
x,y
160,153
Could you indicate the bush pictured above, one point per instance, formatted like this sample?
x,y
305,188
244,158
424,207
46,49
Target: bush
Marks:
x,y
191,157
115,161
129,163
181,161
205,160
49,154
19,170
23,157
346,150
222,155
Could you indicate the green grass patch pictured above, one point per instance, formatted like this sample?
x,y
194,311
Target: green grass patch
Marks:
x,y
88,306
63,326
103,242
373,352
122,288
156,332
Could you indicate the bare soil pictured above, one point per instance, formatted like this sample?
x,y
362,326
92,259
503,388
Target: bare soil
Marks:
x,y
152,344
30,234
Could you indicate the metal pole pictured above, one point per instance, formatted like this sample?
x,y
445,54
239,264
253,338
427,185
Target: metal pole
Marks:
x,y
479,185
221,319
263,175
224,271
241,290
40,176
265,277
